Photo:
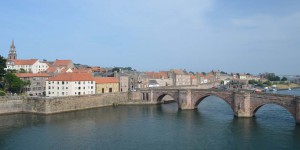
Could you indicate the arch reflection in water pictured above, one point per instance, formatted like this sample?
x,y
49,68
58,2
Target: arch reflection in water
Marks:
x,y
214,106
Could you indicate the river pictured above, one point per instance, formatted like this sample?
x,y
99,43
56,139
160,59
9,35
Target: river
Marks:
x,y
148,127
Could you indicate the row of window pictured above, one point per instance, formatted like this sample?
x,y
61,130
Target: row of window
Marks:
x,y
79,88
66,93
66,82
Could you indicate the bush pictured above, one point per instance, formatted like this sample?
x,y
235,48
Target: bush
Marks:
x,y
2,93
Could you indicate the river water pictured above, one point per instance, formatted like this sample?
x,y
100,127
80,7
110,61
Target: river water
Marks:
x,y
212,126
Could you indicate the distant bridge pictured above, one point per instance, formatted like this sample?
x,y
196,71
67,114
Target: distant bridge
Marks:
x,y
243,103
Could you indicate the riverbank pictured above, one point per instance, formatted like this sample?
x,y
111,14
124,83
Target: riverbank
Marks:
x,y
287,86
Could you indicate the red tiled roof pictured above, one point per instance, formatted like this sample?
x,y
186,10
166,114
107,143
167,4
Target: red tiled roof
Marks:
x,y
62,62
72,77
157,75
51,69
25,61
106,80
23,75
179,72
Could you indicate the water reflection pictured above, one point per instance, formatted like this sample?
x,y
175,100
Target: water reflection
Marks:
x,y
212,126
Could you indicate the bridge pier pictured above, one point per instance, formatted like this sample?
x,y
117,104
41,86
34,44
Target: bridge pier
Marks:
x,y
185,100
242,106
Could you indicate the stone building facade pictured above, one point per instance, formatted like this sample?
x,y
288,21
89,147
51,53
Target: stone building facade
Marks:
x,y
37,81
107,85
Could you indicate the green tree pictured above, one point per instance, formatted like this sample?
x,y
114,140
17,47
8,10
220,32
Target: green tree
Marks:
x,y
2,66
22,70
222,82
268,83
283,79
116,69
13,83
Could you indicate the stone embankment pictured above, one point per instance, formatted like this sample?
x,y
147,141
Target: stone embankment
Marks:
x,y
51,105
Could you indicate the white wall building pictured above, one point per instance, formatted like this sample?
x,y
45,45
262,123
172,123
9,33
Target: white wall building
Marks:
x,y
29,65
68,84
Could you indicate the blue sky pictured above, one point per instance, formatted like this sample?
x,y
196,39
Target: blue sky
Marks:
x,y
198,35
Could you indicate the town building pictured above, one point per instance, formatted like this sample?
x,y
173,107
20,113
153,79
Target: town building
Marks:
x,y
194,80
67,84
37,83
153,83
63,63
124,83
180,77
28,65
107,85
162,78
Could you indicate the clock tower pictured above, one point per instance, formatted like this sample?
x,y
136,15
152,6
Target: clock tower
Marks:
x,y
12,52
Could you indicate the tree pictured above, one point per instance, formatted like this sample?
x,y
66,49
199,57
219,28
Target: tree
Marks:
x,y
222,82
191,72
2,66
283,79
22,70
268,83
116,69
13,83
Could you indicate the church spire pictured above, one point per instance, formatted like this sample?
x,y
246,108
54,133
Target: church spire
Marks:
x,y
12,46
12,55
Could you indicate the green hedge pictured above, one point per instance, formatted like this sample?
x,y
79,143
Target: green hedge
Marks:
x,y
2,93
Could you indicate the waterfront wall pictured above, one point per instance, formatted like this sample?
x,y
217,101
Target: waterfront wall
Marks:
x,y
50,105
11,104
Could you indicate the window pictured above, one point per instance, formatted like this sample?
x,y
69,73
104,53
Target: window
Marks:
x,y
78,93
57,82
62,82
91,87
78,88
49,93
110,90
58,88
84,87
79,82
52,87
62,93
66,87
49,87
102,90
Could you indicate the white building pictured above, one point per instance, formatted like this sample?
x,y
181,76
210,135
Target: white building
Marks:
x,y
29,65
68,84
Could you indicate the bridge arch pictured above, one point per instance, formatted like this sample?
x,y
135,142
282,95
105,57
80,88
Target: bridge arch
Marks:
x,y
201,98
159,97
256,108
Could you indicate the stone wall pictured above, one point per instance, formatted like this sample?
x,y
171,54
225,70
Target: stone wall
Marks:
x,y
50,105
12,104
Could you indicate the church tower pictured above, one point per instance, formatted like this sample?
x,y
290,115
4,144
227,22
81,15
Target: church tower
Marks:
x,y
12,52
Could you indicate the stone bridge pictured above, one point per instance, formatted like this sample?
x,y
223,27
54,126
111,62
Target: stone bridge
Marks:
x,y
242,103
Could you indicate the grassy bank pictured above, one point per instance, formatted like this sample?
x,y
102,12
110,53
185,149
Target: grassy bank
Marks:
x,y
286,86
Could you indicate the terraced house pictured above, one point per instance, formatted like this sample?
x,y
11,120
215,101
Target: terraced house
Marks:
x,y
107,85
37,86
68,84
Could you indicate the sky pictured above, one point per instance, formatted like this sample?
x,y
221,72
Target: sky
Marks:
x,y
150,35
